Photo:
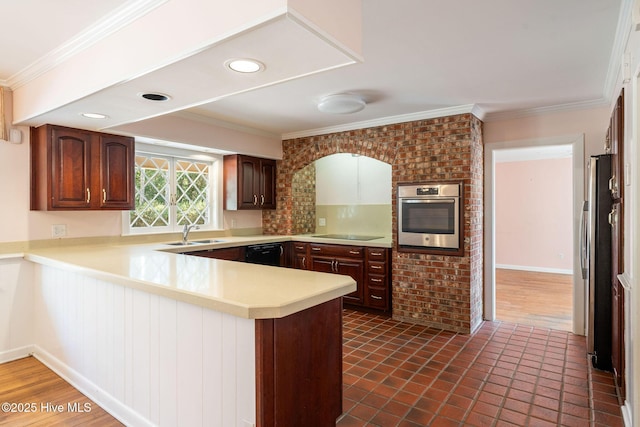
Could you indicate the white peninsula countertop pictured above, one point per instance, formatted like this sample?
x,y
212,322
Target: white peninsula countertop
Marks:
x,y
244,290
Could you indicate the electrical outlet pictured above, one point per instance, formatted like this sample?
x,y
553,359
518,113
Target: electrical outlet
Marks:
x,y
322,222
234,224
58,230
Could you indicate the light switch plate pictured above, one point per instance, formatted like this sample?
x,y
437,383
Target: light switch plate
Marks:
x,y
322,222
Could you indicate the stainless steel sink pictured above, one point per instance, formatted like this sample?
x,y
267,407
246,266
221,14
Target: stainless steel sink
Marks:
x,y
195,242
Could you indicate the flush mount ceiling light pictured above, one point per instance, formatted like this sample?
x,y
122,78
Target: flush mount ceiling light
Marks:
x,y
158,97
244,65
341,103
94,115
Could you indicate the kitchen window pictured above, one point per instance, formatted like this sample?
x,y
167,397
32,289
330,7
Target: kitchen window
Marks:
x,y
172,191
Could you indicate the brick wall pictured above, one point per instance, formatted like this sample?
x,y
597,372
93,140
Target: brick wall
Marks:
x,y
436,290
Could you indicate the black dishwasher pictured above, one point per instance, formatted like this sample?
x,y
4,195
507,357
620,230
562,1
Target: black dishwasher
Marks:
x,y
266,254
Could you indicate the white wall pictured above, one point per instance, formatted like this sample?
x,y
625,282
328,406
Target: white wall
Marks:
x,y
533,215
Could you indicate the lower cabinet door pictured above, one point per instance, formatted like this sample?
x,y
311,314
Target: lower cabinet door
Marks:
x,y
355,269
348,267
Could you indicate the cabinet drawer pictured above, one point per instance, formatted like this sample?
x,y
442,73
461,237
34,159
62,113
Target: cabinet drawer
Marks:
x,y
377,281
299,247
336,250
377,298
376,267
377,254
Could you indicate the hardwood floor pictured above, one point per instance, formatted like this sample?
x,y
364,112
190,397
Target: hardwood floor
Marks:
x,y
33,395
536,299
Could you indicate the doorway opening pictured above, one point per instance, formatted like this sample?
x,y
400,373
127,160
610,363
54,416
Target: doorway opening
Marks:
x,y
534,193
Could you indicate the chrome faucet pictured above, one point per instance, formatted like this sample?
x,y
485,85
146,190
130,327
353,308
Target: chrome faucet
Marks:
x,y
185,232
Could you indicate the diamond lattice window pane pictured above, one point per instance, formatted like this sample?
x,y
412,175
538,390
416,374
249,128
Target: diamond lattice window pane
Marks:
x,y
152,193
192,192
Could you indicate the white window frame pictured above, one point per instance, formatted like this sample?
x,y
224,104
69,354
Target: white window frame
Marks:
x,y
215,188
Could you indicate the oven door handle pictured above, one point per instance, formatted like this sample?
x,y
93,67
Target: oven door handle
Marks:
x,y
429,200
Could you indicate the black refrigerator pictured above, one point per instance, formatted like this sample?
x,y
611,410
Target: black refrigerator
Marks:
x,y
596,260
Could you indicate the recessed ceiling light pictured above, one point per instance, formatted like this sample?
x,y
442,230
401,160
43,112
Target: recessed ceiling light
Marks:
x,y
245,65
94,115
155,96
341,103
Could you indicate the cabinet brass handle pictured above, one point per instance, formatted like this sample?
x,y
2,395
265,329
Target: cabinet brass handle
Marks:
x,y
88,196
262,199
373,279
375,297
376,253
613,216
354,252
376,267
255,200
304,262
316,249
104,196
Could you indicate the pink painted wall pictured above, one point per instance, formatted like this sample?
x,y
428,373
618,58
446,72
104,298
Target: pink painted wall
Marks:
x,y
534,225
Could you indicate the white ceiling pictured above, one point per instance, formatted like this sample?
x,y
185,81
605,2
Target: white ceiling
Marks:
x,y
421,57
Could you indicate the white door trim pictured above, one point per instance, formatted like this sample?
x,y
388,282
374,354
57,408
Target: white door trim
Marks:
x,y
577,143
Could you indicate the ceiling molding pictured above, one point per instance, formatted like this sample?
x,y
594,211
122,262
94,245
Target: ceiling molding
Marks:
x,y
402,118
541,111
623,30
119,18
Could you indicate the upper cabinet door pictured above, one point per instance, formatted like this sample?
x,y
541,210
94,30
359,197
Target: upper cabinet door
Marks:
x,y
249,182
248,177
267,184
117,155
70,185
77,169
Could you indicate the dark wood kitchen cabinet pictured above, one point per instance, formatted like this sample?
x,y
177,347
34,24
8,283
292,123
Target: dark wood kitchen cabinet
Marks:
x,y
78,169
235,253
300,255
339,259
294,387
370,267
615,146
377,279
617,336
249,182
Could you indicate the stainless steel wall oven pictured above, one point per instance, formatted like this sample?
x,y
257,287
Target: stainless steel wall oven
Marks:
x,y
429,215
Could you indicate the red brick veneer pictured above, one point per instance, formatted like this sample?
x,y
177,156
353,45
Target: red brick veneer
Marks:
x,y
435,290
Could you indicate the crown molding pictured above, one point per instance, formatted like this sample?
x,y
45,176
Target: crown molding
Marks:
x,y
623,31
541,111
402,118
109,24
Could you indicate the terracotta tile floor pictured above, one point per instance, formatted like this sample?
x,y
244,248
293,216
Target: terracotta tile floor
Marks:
x,y
400,374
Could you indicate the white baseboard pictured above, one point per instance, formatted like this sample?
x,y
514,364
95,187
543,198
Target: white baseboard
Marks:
x,y
16,353
106,401
536,269
627,414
